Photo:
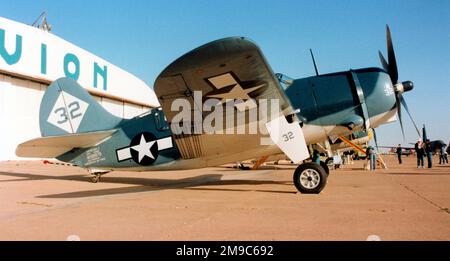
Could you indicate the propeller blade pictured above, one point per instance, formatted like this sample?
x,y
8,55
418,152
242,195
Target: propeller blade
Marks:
x,y
383,62
399,112
403,102
393,71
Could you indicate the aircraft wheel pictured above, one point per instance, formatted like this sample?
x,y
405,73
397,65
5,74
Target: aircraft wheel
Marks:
x,y
325,167
310,178
95,178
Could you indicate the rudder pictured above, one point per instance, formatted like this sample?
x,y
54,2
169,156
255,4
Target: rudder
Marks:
x,y
68,108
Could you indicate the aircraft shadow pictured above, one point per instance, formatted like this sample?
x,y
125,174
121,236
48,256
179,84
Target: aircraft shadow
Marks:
x,y
27,177
151,184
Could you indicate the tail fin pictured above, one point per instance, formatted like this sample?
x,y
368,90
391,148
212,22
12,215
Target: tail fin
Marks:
x,y
68,108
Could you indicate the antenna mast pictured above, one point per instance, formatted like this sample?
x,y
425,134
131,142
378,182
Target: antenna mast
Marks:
x,y
314,62
44,24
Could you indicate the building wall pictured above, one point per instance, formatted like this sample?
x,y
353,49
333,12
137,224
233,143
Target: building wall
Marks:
x,y
32,52
19,112
30,59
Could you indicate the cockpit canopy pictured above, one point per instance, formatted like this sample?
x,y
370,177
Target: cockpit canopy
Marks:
x,y
284,80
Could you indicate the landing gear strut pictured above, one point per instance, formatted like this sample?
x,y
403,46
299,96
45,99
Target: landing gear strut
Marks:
x,y
310,178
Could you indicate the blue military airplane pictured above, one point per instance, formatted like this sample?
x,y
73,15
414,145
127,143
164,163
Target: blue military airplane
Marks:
x,y
77,130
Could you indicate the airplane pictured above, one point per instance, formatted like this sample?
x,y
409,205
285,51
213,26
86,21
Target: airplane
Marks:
x,y
231,73
405,150
435,145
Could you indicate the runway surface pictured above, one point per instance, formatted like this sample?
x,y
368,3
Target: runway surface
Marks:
x,y
51,202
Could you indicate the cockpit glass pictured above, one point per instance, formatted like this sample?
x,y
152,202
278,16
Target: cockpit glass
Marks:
x,y
284,80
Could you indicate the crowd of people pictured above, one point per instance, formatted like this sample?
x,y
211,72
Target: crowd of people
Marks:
x,y
422,149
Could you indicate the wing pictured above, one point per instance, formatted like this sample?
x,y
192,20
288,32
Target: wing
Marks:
x,y
54,146
231,74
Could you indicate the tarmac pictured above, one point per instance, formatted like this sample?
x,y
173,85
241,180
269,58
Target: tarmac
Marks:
x,y
55,202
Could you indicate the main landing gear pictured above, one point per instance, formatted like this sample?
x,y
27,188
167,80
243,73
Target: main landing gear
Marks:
x,y
310,178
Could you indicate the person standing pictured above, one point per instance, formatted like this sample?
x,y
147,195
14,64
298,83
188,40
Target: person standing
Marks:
x,y
443,159
446,157
418,147
371,155
399,153
316,157
429,153
446,154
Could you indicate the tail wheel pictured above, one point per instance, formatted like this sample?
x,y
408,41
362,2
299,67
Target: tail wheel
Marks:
x,y
95,178
310,178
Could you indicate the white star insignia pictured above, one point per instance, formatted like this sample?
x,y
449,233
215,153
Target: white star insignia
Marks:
x,y
236,93
143,148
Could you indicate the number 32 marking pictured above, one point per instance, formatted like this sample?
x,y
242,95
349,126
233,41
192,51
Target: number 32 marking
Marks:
x,y
73,111
288,136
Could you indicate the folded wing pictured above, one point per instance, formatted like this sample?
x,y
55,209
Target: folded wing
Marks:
x,y
228,70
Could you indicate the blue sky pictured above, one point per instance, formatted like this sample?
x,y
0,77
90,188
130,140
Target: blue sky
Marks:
x,y
143,37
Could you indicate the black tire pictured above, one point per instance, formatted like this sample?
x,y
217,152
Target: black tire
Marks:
x,y
310,178
325,167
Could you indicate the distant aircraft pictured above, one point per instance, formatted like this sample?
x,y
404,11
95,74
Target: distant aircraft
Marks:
x,y
435,145
405,150
231,71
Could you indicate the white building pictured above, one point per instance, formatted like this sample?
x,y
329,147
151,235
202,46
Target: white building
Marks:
x,y
31,58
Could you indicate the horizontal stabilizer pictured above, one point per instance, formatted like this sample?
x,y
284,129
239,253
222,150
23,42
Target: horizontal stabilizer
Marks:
x,y
54,146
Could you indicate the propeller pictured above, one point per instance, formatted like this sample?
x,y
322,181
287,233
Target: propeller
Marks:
x,y
390,66
403,102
